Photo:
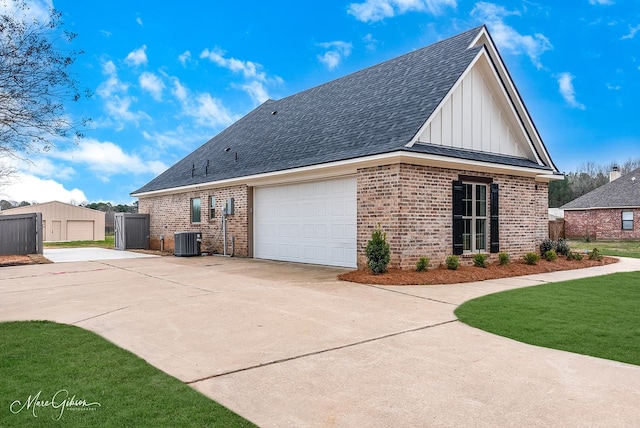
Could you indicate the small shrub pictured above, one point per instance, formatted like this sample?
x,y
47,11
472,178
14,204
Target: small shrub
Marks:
x,y
480,260
562,247
531,258
503,258
550,255
547,245
574,255
422,265
378,252
452,262
595,255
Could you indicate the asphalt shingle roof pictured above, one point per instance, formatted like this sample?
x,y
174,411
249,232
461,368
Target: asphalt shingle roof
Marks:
x,y
376,110
621,193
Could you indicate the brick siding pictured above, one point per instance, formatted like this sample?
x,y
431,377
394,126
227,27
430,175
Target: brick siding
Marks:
x,y
413,205
600,224
172,213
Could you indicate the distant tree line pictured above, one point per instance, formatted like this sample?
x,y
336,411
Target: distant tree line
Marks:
x,y
586,178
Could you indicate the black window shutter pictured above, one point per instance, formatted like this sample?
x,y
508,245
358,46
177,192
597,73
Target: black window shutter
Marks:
x,y
495,228
458,210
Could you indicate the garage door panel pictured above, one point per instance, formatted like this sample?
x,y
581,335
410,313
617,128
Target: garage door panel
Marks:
x,y
80,230
315,222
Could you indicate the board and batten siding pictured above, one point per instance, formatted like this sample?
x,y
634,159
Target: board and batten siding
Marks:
x,y
472,119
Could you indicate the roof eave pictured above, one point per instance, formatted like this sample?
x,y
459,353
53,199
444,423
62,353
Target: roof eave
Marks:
x,y
351,166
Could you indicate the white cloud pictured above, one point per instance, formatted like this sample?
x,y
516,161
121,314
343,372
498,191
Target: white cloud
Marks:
x,y
117,101
603,2
256,91
612,87
137,57
184,57
205,109
253,72
377,10
107,158
113,84
25,187
632,32
139,21
506,37
565,84
119,108
179,90
249,69
209,111
336,51
370,43
152,84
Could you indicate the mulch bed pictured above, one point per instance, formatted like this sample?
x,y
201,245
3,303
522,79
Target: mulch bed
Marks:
x,y
442,275
30,259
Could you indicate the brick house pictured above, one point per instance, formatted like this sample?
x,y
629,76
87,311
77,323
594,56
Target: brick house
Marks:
x,y
610,212
436,146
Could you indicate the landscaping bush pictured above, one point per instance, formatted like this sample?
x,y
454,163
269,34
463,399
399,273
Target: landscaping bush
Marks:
x,y
562,247
595,255
547,245
503,258
378,252
452,262
422,265
574,255
550,255
531,258
480,260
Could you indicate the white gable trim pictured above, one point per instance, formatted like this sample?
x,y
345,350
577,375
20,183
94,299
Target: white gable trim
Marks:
x,y
484,38
489,61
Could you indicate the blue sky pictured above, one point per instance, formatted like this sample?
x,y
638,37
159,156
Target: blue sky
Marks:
x,y
166,76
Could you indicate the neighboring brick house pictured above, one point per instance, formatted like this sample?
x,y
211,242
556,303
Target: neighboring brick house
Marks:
x,y
435,146
610,212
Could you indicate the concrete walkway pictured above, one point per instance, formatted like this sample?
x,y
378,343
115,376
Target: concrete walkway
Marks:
x,y
64,255
288,345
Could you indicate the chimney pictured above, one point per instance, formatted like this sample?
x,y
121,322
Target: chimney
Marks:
x,y
614,174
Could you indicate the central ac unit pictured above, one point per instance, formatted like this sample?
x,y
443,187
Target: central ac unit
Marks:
x,y
187,244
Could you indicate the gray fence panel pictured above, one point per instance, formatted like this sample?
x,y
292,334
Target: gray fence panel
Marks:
x,y
21,234
131,231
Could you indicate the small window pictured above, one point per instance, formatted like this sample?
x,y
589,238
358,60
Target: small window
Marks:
x,y
195,210
212,207
627,220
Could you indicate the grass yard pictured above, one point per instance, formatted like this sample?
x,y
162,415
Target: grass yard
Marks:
x,y
54,374
609,248
107,243
596,316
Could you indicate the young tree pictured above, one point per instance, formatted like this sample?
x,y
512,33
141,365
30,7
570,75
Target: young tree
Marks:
x,y
35,80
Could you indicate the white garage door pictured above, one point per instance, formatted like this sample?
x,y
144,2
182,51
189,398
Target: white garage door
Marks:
x,y
80,230
312,222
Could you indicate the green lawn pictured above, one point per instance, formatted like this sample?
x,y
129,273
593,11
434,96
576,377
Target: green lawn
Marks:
x,y
43,365
107,243
609,248
597,316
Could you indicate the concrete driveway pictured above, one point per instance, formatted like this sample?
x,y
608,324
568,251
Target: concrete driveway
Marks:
x,y
288,345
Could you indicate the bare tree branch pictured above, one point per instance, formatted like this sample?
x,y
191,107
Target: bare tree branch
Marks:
x,y
35,81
